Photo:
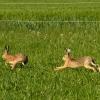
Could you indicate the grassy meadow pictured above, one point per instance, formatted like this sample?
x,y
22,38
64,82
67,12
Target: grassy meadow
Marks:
x,y
45,43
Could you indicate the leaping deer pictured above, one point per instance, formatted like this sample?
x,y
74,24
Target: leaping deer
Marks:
x,y
69,62
14,59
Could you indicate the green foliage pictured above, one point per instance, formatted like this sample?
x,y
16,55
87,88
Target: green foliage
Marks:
x,y
44,43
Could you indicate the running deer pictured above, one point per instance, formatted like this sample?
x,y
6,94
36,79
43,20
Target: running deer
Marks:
x,y
12,60
69,62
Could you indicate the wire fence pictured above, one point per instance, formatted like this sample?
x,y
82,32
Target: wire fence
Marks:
x,y
50,21
55,3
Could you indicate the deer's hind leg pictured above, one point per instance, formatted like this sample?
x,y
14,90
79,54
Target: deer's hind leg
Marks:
x,y
94,64
23,63
90,67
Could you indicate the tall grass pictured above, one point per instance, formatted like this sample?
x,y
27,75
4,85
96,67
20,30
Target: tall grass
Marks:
x,y
44,43
49,1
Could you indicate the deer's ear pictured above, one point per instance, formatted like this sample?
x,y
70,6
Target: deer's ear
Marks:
x,y
68,50
6,47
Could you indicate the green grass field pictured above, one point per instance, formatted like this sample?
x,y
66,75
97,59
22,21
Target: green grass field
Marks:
x,y
44,43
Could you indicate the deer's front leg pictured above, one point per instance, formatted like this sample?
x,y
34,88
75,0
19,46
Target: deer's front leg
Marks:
x,y
60,68
13,66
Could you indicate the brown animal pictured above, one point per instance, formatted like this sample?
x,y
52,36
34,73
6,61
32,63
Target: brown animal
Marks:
x,y
14,59
70,62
